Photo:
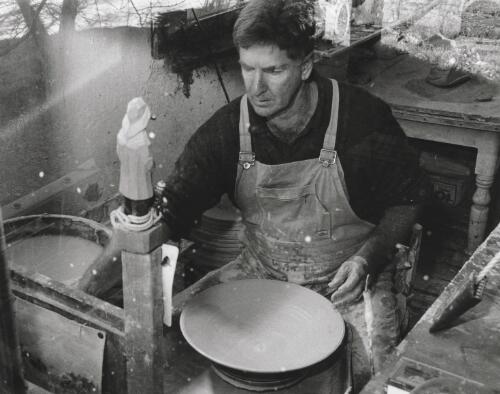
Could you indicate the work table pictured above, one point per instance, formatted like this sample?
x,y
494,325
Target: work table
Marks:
x,y
471,348
465,115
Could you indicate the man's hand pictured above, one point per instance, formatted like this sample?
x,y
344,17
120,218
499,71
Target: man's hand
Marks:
x,y
349,281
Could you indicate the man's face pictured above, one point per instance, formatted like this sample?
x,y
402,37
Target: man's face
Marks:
x,y
271,78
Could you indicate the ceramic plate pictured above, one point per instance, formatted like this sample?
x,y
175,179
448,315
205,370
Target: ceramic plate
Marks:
x,y
262,326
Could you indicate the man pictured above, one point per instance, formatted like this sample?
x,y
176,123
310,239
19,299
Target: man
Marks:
x,y
320,170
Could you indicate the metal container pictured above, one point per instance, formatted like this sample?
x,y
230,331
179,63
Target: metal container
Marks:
x,y
49,244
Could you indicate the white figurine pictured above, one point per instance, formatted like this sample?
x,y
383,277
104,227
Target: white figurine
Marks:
x,y
136,161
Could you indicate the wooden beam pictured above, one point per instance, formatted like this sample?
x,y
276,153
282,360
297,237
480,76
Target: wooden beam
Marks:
x,y
143,306
72,303
59,353
142,242
83,309
11,374
28,203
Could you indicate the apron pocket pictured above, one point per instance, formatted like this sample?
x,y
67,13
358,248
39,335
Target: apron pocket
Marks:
x,y
285,193
293,213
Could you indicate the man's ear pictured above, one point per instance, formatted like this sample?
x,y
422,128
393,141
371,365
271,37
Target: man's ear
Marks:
x,y
307,66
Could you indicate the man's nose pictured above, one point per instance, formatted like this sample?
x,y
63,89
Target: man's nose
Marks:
x,y
258,84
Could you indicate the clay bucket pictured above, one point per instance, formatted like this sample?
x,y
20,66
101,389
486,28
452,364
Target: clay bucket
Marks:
x,y
60,247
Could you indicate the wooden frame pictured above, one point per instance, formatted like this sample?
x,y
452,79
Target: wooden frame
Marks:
x,y
11,376
83,309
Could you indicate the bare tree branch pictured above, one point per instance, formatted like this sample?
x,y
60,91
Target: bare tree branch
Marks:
x,y
32,25
136,11
98,14
33,18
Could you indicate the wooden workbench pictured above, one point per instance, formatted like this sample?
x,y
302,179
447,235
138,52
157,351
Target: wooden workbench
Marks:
x,y
467,115
471,348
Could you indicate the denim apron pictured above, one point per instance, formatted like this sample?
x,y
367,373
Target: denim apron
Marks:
x,y
299,225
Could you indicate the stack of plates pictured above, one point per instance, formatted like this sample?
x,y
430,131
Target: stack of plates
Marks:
x,y
216,240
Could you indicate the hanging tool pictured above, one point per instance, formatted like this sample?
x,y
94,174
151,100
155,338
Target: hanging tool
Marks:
x,y
468,294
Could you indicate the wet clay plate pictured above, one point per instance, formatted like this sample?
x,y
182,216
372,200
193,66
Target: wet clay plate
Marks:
x,y
262,326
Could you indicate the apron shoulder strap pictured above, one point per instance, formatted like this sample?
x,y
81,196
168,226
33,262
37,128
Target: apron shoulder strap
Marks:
x,y
246,156
328,154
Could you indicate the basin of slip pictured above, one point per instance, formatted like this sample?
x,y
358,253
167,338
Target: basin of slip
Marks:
x,y
60,247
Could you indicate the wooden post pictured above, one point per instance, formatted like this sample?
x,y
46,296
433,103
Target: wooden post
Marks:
x,y
11,373
143,306
479,211
141,256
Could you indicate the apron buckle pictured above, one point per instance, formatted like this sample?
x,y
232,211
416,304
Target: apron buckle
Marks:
x,y
247,159
327,157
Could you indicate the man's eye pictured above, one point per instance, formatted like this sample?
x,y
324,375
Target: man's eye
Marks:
x,y
274,70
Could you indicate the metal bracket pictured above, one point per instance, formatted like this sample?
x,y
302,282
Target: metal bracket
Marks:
x,y
247,159
327,157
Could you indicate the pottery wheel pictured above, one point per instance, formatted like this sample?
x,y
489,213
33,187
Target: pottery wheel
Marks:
x,y
258,381
262,326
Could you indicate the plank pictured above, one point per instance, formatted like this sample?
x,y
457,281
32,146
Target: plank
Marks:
x,y
11,378
84,310
359,35
57,297
31,201
101,210
143,305
445,118
61,351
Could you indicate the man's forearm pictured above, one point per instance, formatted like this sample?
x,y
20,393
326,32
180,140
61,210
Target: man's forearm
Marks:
x,y
394,227
105,272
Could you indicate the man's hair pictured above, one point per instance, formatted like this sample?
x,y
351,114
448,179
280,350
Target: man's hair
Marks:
x,y
289,24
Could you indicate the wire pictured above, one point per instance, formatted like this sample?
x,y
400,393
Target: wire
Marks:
x,y
134,223
212,58
137,12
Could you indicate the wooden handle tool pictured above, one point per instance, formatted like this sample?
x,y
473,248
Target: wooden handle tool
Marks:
x,y
467,294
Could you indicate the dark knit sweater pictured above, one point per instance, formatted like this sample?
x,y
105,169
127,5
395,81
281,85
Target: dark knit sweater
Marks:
x,y
381,169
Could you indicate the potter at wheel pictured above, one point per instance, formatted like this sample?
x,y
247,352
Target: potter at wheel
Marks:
x,y
262,326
